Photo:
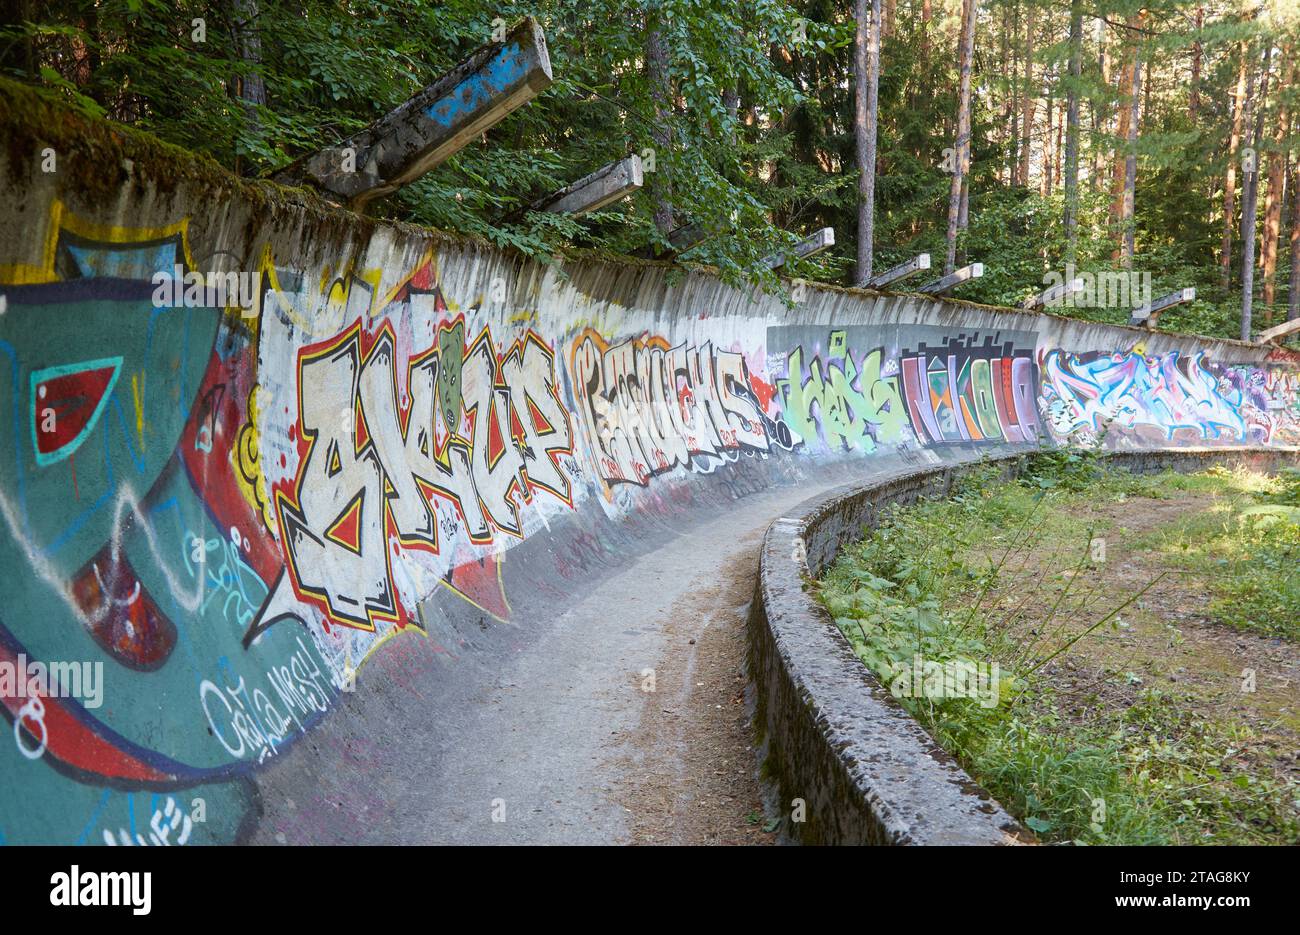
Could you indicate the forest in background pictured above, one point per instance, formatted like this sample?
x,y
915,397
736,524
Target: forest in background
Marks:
x,y
1033,136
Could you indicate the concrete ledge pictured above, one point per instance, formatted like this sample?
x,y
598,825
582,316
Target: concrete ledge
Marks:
x,y
832,735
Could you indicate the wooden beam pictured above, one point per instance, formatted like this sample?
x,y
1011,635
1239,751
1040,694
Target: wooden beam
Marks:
x,y
901,271
1149,314
1278,331
809,246
592,192
1050,297
953,279
430,127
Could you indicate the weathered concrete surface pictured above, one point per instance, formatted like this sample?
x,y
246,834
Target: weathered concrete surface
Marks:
x,y
834,737
403,462
543,729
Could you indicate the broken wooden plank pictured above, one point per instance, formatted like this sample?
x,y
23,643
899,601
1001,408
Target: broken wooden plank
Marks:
x,y
900,272
1148,314
952,280
430,127
1053,296
809,246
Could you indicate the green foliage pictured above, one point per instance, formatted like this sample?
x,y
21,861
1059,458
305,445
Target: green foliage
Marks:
x,y
1071,469
329,69
751,124
1154,771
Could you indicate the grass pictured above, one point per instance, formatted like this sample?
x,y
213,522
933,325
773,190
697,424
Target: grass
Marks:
x,y
1081,743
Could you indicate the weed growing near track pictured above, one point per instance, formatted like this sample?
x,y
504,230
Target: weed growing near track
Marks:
x,y
1082,744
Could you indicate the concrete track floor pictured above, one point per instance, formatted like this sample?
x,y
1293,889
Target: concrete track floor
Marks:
x,y
558,737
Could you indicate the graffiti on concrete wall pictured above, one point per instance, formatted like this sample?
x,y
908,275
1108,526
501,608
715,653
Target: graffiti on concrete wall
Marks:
x,y
649,406
971,388
231,509
1268,399
848,401
864,391
1168,397
470,430
129,547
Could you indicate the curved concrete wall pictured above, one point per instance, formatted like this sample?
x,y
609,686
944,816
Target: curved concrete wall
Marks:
x,y
216,515
835,737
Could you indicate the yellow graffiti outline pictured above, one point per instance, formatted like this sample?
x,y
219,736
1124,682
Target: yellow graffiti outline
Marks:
x,y
61,219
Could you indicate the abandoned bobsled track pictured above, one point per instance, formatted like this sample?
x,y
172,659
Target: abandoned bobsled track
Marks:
x,y
382,539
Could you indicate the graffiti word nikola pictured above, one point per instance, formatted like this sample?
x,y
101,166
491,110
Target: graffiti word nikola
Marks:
x,y
133,889
179,289
1102,289
952,678
23,679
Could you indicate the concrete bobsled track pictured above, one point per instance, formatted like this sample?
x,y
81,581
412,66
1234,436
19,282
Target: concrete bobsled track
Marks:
x,y
389,547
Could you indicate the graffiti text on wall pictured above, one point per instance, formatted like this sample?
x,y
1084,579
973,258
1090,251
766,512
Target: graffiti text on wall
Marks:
x,y
846,403
963,390
1085,396
648,406
479,430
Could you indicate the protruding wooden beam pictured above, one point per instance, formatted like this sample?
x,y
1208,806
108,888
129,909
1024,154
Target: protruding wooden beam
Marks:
x,y
952,280
1050,297
592,192
426,130
1278,331
901,271
809,246
1149,314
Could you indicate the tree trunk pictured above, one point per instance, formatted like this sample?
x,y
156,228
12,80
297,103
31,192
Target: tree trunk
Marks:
x,y
1130,164
966,52
1006,129
1100,116
1029,100
1045,179
1194,93
1293,287
1250,195
660,80
1072,135
1277,166
1120,166
1230,175
867,82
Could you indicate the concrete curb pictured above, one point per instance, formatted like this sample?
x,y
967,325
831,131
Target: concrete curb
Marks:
x,y
832,735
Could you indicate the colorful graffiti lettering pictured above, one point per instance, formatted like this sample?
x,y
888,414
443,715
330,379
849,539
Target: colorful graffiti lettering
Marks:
x,y
950,390
232,511
845,403
648,407
117,463
477,430
1087,396
965,391
1268,400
